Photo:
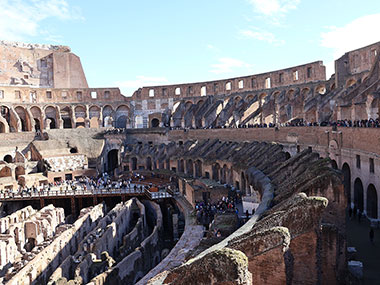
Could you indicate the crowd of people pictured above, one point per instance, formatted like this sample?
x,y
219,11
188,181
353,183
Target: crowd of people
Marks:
x,y
102,182
205,211
367,123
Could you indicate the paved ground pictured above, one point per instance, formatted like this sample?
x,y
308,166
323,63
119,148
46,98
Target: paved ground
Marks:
x,y
369,254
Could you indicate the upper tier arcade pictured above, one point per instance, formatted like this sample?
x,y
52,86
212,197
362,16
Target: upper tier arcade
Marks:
x,y
310,72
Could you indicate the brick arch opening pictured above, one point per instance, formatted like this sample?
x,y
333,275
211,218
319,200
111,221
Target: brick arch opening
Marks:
x,y
372,201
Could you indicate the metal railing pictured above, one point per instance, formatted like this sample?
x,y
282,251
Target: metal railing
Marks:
x,y
81,192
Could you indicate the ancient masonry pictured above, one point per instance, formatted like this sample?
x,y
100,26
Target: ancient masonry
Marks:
x,y
203,138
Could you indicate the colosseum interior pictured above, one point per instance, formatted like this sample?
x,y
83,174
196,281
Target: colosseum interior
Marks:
x,y
239,181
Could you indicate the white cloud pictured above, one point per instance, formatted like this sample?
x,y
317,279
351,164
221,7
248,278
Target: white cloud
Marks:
x,y
228,65
129,86
21,19
356,34
261,35
272,8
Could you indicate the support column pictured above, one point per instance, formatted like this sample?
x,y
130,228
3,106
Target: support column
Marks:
x,y
42,202
73,206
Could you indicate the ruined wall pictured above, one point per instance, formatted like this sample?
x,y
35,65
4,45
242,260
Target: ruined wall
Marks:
x,y
40,66
43,265
356,62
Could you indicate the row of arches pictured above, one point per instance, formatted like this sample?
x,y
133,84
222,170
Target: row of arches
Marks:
x,y
35,118
197,168
371,208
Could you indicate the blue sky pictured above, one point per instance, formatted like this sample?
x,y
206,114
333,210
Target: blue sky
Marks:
x,y
130,44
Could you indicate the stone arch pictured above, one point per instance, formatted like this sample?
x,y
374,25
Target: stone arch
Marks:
x,y
134,163
237,99
9,118
94,113
154,123
334,164
321,89
37,117
190,167
305,91
6,172
8,158
350,82
287,155
122,115
198,168
347,182
112,160
249,98
51,114
26,125
66,115
372,206
20,170
181,165
148,163
80,111
215,171
358,194
290,94
108,116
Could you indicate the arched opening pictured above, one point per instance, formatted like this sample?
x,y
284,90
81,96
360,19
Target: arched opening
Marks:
x,y
8,158
51,114
107,116
149,163
350,82
30,244
94,113
347,182
67,123
181,166
52,124
190,167
334,164
134,163
5,172
121,115
113,160
287,155
37,125
19,171
66,117
358,194
121,122
73,150
155,123
37,117
24,118
371,202
198,168
2,128
215,171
